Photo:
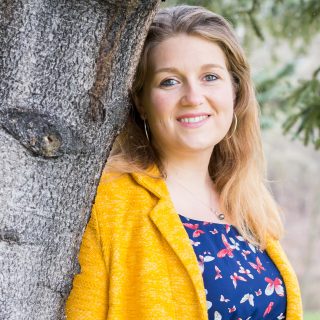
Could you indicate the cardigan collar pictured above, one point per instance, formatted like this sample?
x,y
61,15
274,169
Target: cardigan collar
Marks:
x,y
151,180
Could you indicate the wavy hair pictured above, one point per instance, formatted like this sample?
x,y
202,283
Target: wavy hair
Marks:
x,y
237,164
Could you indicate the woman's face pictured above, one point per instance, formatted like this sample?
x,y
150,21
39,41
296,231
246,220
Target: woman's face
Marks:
x,y
188,96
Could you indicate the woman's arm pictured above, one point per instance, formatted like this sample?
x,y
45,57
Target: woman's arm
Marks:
x,y
89,296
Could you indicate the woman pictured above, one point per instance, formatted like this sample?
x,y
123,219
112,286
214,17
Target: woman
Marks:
x,y
183,226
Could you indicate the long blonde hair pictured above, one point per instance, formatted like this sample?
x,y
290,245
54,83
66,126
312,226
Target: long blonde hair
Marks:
x,y
237,165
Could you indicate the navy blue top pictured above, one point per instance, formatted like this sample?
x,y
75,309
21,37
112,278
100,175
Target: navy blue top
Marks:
x,y
241,281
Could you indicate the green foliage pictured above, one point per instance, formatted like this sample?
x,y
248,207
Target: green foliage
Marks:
x,y
292,22
271,87
294,19
305,118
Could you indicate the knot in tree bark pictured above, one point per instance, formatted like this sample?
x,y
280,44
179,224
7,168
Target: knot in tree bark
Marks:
x,y
39,133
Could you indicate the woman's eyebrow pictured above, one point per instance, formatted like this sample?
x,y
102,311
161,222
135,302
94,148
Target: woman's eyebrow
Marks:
x,y
175,70
213,65
167,69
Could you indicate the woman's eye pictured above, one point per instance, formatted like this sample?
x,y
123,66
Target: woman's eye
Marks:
x,y
168,83
210,77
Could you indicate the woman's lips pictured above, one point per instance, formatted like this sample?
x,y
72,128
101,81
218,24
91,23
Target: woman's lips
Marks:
x,y
193,120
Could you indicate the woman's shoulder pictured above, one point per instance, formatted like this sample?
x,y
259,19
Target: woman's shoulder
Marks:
x,y
118,192
110,180
115,184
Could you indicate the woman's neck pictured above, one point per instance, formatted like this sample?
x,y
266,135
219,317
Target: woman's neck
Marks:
x,y
191,189
192,172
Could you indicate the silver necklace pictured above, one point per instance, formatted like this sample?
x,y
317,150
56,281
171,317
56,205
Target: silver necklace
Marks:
x,y
218,214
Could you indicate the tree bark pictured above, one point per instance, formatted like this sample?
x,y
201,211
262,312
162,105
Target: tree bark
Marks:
x,y
65,70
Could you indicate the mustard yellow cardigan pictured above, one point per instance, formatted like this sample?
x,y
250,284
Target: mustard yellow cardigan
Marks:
x,y
137,261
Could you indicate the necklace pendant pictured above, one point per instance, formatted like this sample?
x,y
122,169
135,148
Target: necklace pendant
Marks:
x,y
220,216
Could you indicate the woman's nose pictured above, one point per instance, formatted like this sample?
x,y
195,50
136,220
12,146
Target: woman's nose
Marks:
x,y
192,96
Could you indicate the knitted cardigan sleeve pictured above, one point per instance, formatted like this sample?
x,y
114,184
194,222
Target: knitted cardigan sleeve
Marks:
x,y
89,296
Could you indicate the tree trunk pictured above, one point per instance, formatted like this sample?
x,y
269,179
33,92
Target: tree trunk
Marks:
x,y
65,70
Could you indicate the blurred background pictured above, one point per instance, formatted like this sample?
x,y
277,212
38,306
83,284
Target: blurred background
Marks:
x,y
282,42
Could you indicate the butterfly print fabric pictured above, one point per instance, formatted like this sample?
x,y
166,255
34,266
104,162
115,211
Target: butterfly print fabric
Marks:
x,y
240,280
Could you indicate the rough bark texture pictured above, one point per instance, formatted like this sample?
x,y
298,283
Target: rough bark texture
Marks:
x,y
65,69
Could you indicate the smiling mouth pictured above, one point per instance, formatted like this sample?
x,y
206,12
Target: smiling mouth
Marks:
x,y
193,119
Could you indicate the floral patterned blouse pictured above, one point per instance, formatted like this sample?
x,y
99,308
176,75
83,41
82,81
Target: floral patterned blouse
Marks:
x,y
241,281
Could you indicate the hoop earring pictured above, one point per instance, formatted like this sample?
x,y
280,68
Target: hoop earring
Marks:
x,y
146,129
235,126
